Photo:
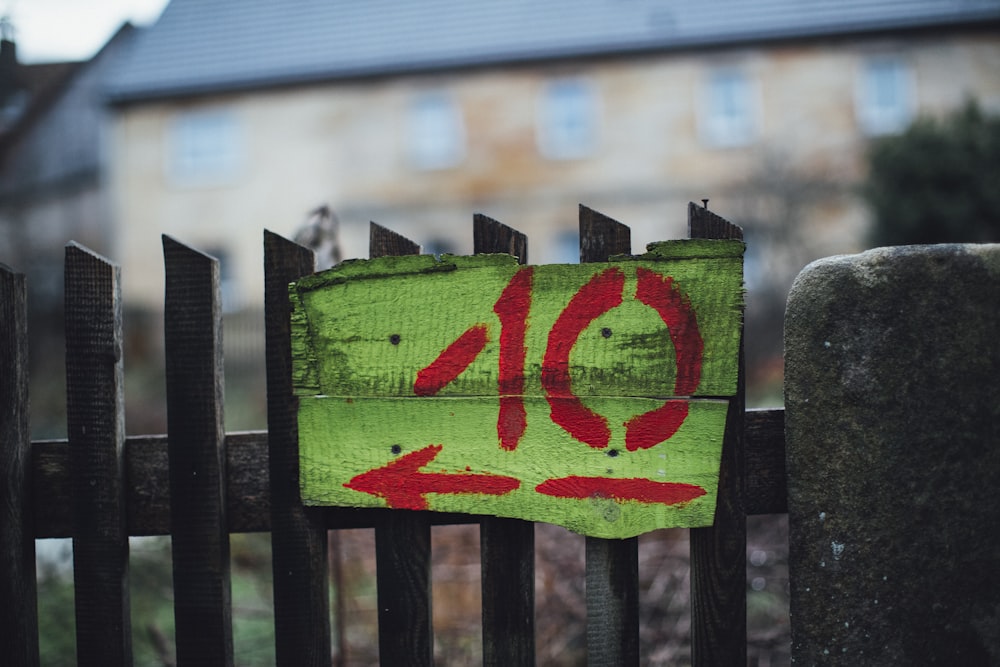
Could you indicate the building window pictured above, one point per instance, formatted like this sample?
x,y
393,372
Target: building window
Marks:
x,y
436,131
568,119
729,114
204,147
884,98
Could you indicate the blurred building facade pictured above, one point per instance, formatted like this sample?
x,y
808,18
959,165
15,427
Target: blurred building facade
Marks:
x,y
233,116
53,160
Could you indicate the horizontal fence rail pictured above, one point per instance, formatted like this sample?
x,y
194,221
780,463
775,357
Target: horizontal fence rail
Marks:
x,y
200,484
248,494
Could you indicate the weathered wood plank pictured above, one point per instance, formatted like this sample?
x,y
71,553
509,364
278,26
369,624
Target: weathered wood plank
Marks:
x,y
612,590
298,536
196,450
507,546
551,478
718,552
765,486
18,594
96,430
402,546
632,325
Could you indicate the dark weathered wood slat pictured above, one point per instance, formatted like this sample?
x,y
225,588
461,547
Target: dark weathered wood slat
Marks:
x,y
402,547
196,450
18,594
765,486
718,552
489,236
96,430
298,536
507,546
383,242
402,563
248,496
612,565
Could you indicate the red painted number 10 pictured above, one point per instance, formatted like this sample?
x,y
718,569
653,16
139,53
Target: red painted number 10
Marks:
x,y
599,295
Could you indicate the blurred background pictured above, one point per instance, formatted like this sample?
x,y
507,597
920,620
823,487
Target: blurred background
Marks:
x,y
819,126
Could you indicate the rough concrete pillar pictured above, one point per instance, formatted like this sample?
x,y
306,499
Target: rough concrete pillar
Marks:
x,y
892,400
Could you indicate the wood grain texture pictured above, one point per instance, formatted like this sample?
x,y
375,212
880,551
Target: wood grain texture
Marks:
x,y
492,236
718,552
765,486
612,589
660,325
248,497
18,593
507,546
382,327
96,429
197,457
298,536
402,549
383,242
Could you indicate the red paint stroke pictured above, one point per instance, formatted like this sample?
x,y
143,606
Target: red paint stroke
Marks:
x,y
403,486
653,427
451,362
512,307
602,293
637,489
511,422
662,295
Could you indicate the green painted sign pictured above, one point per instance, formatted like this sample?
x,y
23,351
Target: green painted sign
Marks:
x,y
593,396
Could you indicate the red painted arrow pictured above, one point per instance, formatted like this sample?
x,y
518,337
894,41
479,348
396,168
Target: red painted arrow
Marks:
x,y
403,486
638,489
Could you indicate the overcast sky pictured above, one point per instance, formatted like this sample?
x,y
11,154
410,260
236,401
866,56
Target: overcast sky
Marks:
x,y
53,30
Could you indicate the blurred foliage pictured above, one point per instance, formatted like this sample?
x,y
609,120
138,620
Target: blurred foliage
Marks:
x,y
151,601
938,181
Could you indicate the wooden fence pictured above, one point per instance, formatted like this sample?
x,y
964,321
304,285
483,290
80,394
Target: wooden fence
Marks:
x,y
199,484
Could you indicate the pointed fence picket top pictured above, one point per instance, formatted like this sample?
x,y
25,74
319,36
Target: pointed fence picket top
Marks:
x,y
197,455
95,406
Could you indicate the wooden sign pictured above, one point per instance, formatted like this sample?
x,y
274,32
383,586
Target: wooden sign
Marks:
x,y
592,396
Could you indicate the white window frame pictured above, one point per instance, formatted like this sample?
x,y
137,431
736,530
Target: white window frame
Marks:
x,y
436,131
884,95
205,147
730,115
568,122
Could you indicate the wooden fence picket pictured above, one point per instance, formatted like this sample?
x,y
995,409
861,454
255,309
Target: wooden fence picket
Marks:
x,y
507,546
298,536
612,565
718,552
402,546
197,455
18,592
95,411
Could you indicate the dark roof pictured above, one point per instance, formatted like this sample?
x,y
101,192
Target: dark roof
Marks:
x,y
203,46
